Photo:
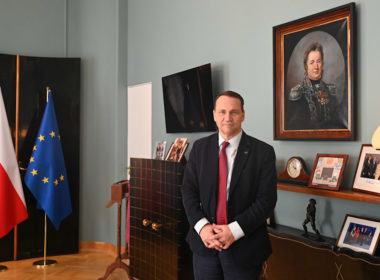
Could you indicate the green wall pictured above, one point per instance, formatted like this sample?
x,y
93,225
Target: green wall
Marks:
x,y
97,33
33,28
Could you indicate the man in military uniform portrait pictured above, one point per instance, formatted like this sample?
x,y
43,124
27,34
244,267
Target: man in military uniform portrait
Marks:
x,y
319,97
316,89
313,102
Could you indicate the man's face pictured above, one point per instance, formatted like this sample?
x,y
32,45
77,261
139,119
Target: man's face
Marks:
x,y
228,116
314,65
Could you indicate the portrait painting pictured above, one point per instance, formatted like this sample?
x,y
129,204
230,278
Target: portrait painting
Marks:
x,y
328,171
313,76
367,175
359,234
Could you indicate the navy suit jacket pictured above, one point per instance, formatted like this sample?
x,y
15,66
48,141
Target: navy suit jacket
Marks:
x,y
252,196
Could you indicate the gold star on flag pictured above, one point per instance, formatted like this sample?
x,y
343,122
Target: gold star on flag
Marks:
x,y
42,138
34,172
34,147
62,178
31,159
56,182
52,134
59,137
45,180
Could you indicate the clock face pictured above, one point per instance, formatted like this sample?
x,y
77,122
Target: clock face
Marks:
x,y
294,167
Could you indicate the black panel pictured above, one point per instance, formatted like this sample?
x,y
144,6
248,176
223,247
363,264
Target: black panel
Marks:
x,y
62,75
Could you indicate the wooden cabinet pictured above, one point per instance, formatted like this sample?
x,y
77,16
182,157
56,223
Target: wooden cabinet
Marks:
x,y
33,75
296,257
158,224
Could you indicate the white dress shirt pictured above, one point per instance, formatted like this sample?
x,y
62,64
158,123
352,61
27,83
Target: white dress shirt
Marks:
x,y
231,151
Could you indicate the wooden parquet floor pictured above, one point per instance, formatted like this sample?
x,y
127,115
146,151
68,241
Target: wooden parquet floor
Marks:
x,y
89,264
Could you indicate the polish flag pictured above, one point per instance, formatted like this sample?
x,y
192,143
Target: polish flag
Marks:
x,y
12,201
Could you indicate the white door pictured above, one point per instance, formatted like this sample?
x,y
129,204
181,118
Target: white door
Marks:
x,y
140,121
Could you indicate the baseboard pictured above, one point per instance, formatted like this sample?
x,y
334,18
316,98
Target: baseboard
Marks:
x,y
98,245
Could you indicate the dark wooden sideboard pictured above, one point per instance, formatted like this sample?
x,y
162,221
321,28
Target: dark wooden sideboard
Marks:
x,y
296,257
158,224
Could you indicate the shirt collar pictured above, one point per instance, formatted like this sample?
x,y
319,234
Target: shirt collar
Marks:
x,y
234,141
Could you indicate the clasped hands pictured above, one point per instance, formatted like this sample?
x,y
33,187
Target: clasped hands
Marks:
x,y
218,237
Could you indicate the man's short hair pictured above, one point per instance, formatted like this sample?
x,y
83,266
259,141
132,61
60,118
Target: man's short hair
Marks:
x,y
313,47
233,94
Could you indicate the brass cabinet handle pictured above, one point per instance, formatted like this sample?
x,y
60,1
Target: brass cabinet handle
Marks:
x,y
146,222
156,226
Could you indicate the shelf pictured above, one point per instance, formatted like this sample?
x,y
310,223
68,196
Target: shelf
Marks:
x,y
342,194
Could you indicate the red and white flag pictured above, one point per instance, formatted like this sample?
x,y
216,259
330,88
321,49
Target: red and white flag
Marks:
x,y
12,201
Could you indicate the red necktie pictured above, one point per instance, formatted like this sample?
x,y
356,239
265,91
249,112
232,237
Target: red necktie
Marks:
x,y
221,209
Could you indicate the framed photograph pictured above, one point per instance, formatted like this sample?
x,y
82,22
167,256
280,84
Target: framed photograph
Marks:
x,y
159,151
328,171
169,151
359,234
367,175
313,76
177,150
183,151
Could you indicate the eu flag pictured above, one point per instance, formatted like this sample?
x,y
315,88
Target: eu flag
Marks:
x,y
46,176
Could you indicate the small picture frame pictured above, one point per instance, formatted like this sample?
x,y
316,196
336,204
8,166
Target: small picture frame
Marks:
x,y
367,175
328,171
183,151
169,151
359,234
159,150
177,150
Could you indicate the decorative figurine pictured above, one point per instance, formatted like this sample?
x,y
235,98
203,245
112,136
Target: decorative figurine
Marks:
x,y
310,217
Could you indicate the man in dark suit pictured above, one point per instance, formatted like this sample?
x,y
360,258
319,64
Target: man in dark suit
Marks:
x,y
230,240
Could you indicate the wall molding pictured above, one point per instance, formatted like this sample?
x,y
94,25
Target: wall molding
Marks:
x,y
98,245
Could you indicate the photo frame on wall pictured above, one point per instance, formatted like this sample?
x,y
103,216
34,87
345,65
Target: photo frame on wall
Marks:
x,y
367,175
359,234
328,171
313,76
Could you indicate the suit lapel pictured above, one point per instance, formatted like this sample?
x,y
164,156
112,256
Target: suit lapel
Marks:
x,y
242,155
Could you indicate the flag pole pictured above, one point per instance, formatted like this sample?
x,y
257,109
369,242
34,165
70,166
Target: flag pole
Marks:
x,y
44,263
15,235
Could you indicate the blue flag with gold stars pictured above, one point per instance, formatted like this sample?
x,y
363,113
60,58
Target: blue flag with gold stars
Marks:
x,y
46,175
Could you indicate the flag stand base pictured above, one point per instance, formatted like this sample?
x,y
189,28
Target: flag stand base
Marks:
x,y
44,263
3,268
